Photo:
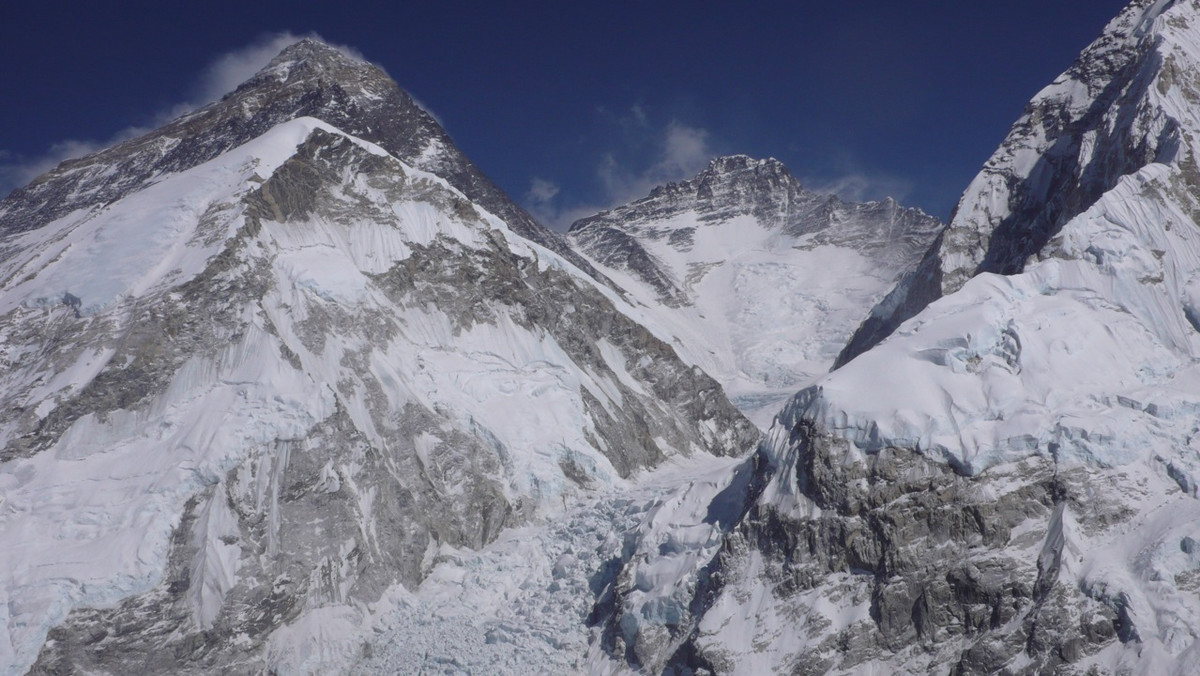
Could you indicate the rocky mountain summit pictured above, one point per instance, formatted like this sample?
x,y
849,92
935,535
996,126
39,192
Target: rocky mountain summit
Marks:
x,y
763,280
259,374
1007,483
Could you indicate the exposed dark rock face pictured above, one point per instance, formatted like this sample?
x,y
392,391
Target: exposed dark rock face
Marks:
x,y
365,374
940,518
166,333
943,571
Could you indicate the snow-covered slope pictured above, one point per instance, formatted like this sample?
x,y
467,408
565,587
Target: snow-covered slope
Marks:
x,y
1008,483
1098,121
761,280
262,385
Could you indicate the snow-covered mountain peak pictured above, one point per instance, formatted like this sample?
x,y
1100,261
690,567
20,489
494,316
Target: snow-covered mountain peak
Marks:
x,y
724,172
1138,17
315,53
312,64
1008,482
762,280
312,54
269,362
728,164
730,186
298,370
1129,100
307,79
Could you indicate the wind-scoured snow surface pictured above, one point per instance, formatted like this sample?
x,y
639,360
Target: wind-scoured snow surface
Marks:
x,y
761,281
88,520
292,404
1087,355
1008,483
253,397
1098,336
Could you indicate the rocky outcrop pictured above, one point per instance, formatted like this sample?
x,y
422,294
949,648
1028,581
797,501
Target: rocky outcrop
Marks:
x,y
840,560
1006,484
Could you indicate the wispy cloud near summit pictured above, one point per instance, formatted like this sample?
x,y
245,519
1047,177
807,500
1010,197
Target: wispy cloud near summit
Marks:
x,y
223,74
626,172
230,69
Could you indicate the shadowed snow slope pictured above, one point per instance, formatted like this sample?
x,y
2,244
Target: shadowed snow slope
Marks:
x,y
251,389
1008,483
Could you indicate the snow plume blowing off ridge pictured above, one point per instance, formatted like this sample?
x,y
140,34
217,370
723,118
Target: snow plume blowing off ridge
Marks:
x,y
221,76
682,150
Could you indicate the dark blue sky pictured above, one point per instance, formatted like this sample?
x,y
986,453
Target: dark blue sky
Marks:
x,y
572,106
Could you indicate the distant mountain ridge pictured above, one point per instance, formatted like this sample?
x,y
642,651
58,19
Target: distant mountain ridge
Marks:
x,y
287,386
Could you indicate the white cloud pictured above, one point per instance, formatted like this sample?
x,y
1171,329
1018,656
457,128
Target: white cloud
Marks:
x,y
428,111
220,77
682,151
685,152
231,69
561,217
859,186
638,115
541,191
539,201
